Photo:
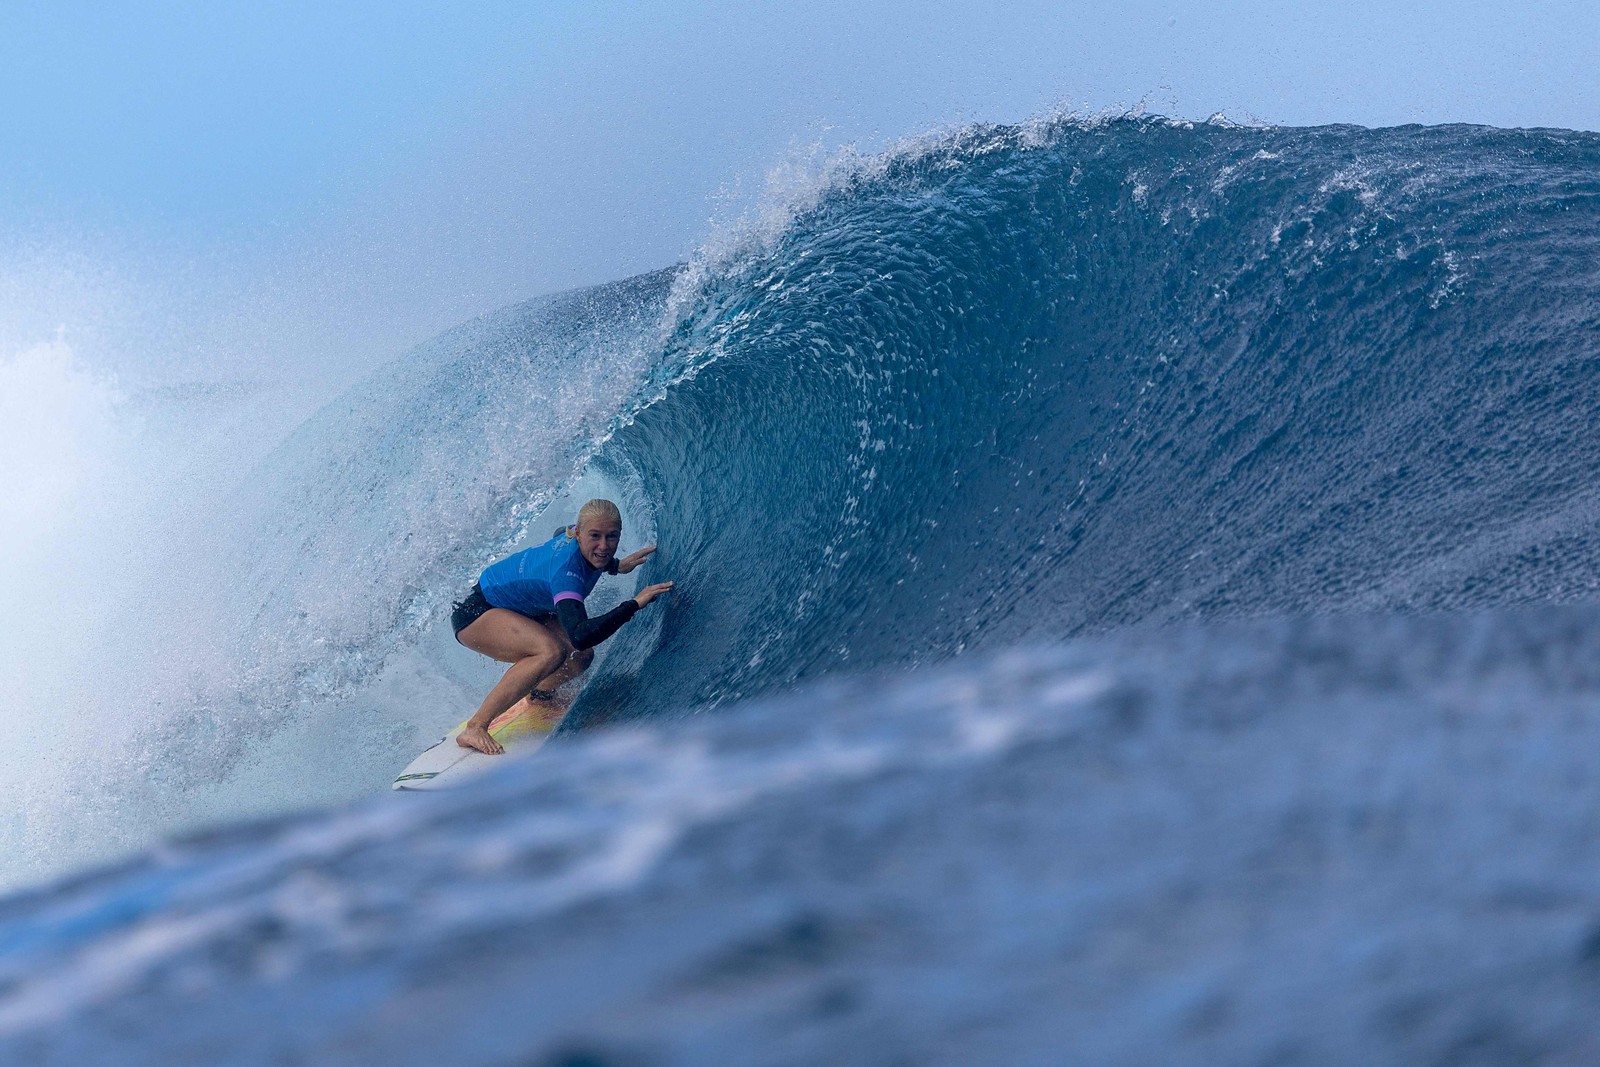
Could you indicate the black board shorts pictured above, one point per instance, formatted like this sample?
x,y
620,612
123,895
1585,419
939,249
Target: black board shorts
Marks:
x,y
472,607
469,610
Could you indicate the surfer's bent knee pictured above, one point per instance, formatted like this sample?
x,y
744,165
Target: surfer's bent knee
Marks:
x,y
550,659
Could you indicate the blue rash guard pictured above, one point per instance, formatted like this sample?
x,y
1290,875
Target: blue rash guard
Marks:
x,y
534,580
554,578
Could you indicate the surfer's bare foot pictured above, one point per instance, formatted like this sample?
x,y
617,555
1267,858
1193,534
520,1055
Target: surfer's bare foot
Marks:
x,y
476,737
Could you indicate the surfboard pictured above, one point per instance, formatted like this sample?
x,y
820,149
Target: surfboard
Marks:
x,y
445,764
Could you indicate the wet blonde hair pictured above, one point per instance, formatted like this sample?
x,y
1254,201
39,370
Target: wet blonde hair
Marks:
x,y
598,509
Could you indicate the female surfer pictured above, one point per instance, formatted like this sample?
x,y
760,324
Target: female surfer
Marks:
x,y
527,610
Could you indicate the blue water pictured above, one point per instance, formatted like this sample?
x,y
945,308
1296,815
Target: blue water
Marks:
x,y
1054,382
1134,604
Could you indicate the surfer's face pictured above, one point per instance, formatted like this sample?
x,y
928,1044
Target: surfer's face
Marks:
x,y
598,540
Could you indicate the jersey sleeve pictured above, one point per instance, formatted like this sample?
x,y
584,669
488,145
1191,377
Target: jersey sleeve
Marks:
x,y
568,583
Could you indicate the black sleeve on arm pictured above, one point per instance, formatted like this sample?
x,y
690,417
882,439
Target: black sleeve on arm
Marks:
x,y
585,632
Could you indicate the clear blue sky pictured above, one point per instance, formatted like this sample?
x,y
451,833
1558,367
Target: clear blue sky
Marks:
x,y
358,176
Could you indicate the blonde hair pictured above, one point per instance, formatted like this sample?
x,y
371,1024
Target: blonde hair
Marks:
x,y
598,509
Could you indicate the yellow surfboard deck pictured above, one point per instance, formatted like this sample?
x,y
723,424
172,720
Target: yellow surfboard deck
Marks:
x,y
522,728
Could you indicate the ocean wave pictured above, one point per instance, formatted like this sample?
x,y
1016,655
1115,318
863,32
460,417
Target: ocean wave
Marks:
x,y
1049,381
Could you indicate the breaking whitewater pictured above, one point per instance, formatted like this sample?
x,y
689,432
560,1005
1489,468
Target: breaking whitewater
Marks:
x,y
1134,604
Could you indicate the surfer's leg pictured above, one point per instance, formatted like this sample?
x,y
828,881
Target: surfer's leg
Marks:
x,y
534,654
576,664
577,660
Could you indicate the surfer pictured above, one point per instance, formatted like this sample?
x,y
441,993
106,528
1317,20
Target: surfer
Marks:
x,y
527,610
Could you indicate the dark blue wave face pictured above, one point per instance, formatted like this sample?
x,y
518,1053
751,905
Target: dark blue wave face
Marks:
x,y
1051,382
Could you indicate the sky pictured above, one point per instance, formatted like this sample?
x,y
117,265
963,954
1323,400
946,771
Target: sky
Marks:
x,y
250,187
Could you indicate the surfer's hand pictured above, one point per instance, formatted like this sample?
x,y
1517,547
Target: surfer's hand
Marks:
x,y
633,559
476,737
650,592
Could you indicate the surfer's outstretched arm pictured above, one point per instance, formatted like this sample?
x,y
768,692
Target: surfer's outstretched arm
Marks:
x,y
585,632
633,559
